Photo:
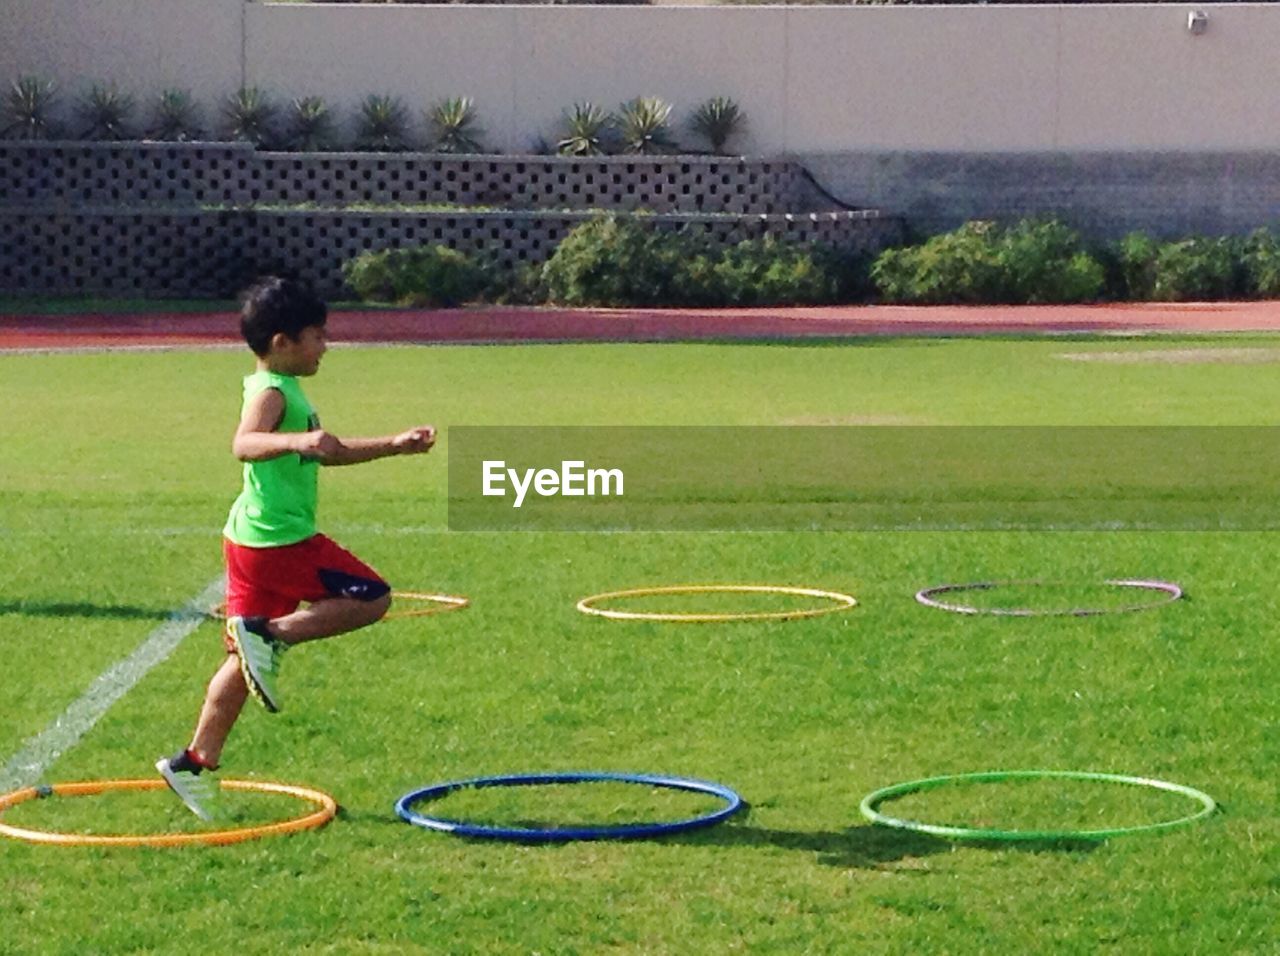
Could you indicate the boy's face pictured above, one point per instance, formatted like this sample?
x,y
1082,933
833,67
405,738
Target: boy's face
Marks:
x,y
300,356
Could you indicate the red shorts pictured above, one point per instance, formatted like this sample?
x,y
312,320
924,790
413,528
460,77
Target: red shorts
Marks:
x,y
272,582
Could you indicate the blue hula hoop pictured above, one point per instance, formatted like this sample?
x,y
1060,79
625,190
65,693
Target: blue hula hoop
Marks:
x,y
631,831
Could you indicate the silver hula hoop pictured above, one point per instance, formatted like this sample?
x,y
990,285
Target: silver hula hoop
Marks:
x,y
929,598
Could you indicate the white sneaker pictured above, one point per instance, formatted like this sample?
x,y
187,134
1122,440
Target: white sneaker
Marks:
x,y
259,661
201,792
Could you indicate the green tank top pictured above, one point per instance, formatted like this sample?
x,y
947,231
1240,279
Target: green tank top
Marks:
x,y
278,503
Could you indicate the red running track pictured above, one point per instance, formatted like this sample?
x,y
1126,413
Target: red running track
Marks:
x,y
492,324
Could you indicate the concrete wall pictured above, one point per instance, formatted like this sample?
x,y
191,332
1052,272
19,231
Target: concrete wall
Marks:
x,y
812,80
1103,194
143,46
525,65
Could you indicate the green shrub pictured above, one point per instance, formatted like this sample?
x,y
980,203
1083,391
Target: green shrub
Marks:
x,y
383,125
1137,254
175,117
959,267
421,276
519,286
310,125
587,129
1195,268
615,262
1260,261
248,114
644,126
698,279
1043,262
28,106
717,120
850,271
105,112
453,126
769,272
1034,261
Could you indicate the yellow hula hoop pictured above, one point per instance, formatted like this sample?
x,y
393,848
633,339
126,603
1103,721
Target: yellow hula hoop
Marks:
x,y
842,603
327,807
443,603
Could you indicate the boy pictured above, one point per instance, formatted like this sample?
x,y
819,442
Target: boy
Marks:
x,y
275,559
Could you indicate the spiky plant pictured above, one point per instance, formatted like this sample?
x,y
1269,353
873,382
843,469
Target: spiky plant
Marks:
x,y
644,125
250,116
175,117
383,124
453,126
29,104
717,120
310,124
586,126
105,112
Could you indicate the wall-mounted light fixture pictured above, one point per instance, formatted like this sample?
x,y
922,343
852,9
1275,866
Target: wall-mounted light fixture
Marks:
x,y
1197,22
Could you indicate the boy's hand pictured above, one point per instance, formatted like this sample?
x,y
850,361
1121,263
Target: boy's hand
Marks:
x,y
320,445
414,441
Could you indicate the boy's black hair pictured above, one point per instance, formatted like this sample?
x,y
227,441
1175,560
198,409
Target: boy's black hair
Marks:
x,y
273,305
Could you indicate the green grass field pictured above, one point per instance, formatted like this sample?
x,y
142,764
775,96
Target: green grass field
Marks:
x,y
116,481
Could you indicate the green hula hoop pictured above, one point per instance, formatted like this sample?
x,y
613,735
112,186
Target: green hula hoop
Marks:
x,y
871,803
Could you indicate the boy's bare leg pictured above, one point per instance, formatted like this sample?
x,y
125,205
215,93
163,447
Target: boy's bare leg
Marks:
x,y
328,618
222,705
227,690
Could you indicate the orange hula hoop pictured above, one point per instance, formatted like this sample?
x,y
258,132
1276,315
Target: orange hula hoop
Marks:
x,y
327,808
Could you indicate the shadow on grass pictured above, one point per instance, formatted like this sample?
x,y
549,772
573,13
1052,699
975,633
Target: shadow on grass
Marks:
x,y
119,612
856,847
1036,846
861,847
867,846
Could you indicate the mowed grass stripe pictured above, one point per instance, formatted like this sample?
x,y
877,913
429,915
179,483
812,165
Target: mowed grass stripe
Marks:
x,y
38,754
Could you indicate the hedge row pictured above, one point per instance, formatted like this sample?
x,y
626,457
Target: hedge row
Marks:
x,y
617,262
1038,261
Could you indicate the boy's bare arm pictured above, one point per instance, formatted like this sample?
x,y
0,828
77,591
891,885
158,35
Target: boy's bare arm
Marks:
x,y
353,451
257,439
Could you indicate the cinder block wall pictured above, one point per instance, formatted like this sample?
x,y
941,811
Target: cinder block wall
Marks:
x,y
200,219
208,173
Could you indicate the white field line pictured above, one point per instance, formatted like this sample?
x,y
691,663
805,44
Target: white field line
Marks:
x,y
37,755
